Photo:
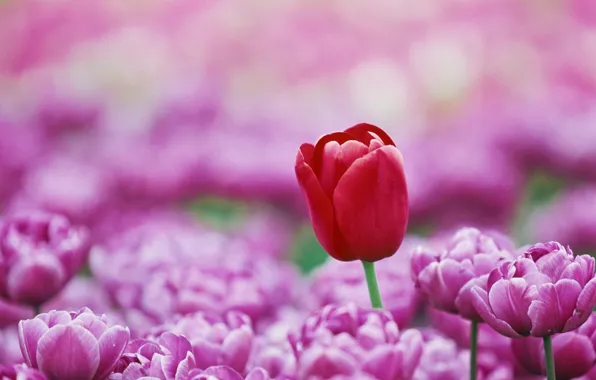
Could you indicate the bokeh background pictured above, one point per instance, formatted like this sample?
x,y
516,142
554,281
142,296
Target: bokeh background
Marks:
x,y
111,109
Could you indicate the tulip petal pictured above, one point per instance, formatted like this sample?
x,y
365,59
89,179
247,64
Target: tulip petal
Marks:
x,y
463,302
320,209
371,205
68,352
510,302
325,363
481,304
586,301
257,374
30,331
574,355
365,132
442,281
111,346
35,280
11,313
384,362
553,307
221,372
236,347
553,264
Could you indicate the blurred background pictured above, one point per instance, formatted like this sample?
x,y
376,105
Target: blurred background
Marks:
x,y
109,108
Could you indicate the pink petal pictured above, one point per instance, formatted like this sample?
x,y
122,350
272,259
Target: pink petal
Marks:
x,y
481,304
586,301
553,307
35,280
30,331
509,301
11,313
441,282
325,363
371,205
111,346
236,348
574,355
384,362
553,264
68,352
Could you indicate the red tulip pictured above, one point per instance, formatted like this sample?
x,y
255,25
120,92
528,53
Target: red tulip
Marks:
x,y
355,187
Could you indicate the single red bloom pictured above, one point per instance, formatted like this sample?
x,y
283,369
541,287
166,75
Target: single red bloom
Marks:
x,y
355,187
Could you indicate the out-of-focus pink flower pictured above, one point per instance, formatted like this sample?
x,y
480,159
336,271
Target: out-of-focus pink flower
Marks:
x,y
494,349
445,277
10,351
577,228
346,340
80,292
20,372
574,352
75,345
272,350
169,357
79,190
544,292
338,283
20,147
447,188
162,273
227,373
442,359
216,341
40,253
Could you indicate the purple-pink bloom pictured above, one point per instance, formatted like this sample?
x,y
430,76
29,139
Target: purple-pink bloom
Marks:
x,y
347,340
20,372
340,282
494,349
227,373
39,254
169,357
574,352
546,291
446,276
216,341
72,345
443,360
10,351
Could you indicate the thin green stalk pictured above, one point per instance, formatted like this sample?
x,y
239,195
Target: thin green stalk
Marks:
x,y
373,286
473,350
37,309
548,358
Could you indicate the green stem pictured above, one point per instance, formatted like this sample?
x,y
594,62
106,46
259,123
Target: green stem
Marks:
x,y
373,286
473,350
548,358
37,309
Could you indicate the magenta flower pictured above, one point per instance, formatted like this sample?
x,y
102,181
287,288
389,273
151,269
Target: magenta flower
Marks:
x,y
227,373
170,357
39,254
216,341
574,352
446,277
347,340
443,360
20,372
340,282
546,291
72,346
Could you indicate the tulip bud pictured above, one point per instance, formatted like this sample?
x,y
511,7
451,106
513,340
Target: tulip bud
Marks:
x,y
355,188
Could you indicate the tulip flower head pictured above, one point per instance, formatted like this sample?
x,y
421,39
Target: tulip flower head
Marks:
x,y
446,277
355,188
546,291
39,254
72,345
